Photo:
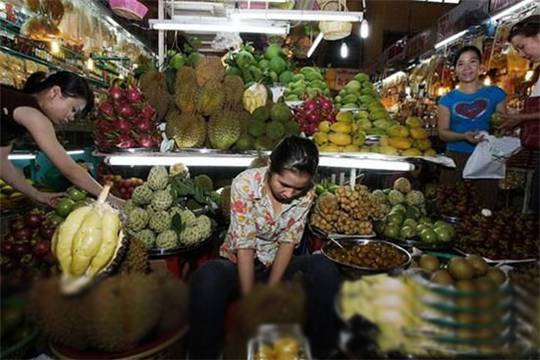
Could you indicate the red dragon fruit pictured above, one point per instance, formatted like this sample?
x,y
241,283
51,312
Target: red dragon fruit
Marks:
x,y
312,112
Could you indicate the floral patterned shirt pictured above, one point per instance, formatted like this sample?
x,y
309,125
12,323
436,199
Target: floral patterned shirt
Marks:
x,y
253,225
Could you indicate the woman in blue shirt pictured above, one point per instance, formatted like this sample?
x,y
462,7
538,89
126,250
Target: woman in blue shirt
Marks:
x,y
463,113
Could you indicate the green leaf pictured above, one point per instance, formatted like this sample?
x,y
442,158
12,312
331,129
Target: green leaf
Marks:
x,y
176,223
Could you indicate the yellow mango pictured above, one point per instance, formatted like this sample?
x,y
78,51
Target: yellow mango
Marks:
x,y
340,139
419,133
324,126
430,152
340,127
422,144
400,143
344,116
398,131
388,150
383,140
351,148
411,152
359,139
320,138
414,122
329,148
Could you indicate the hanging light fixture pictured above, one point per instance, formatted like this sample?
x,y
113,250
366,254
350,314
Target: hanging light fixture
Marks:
x,y
364,29
316,43
344,50
55,47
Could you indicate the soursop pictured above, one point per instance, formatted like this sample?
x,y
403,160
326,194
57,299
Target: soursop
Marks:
x,y
204,182
142,195
158,178
160,221
137,219
147,237
167,240
162,199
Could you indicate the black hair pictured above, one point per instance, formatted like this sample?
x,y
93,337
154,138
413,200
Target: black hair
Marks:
x,y
295,153
465,49
527,27
71,85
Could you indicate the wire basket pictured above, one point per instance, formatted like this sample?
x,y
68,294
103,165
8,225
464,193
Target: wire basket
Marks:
x,y
334,30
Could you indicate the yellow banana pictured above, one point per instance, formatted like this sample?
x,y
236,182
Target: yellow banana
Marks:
x,y
54,241
86,243
110,228
66,231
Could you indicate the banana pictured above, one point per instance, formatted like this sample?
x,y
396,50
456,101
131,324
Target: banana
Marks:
x,y
54,242
66,233
86,243
110,233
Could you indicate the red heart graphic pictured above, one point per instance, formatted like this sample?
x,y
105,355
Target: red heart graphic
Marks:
x,y
471,110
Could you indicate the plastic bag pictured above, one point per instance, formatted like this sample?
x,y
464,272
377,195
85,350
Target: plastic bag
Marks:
x,y
489,157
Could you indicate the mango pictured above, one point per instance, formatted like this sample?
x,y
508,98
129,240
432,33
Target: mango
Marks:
x,y
430,152
351,148
340,139
324,126
344,116
388,150
400,143
329,148
398,131
341,127
422,144
419,133
320,138
411,152
414,122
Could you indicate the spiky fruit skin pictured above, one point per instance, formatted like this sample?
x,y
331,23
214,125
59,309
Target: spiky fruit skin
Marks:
x,y
147,238
125,309
211,98
225,202
188,130
187,90
160,221
136,259
190,235
162,199
233,88
137,219
175,302
167,240
204,182
209,69
158,178
223,130
142,195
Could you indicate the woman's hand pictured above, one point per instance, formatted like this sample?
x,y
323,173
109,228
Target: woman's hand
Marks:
x,y
47,198
473,137
510,121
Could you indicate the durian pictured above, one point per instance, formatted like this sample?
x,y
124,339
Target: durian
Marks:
x,y
210,99
209,69
223,130
190,131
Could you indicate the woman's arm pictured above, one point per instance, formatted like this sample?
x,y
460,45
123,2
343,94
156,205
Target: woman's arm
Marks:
x,y
245,269
15,178
511,121
43,133
283,257
447,135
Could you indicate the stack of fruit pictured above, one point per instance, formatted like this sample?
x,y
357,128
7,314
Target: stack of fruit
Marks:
x,y
157,217
11,198
308,83
407,218
121,187
406,140
359,93
526,285
459,200
341,136
267,126
504,234
348,211
125,120
313,112
26,250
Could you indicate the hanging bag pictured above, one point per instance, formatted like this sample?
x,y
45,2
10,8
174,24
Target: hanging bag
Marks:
x,y
334,30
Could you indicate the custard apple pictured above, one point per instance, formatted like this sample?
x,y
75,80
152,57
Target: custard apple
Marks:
x,y
204,225
187,216
128,206
142,195
167,240
158,178
162,199
137,219
190,235
147,237
160,221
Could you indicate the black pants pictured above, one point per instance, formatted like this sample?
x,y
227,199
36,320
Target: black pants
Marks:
x,y
216,284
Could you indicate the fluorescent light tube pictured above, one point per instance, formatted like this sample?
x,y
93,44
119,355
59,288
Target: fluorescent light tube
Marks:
x,y
297,15
75,152
316,43
450,39
511,9
21,157
362,163
219,27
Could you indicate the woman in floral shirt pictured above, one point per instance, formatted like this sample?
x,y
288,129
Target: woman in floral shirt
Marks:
x,y
269,209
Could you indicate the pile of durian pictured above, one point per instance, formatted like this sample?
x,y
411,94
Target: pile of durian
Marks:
x,y
156,217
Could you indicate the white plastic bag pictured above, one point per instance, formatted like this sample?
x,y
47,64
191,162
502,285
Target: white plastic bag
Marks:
x,y
489,157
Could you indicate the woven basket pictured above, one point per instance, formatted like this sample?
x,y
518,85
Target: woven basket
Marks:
x,y
334,30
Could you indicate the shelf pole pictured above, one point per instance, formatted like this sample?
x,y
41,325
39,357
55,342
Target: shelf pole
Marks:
x,y
161,35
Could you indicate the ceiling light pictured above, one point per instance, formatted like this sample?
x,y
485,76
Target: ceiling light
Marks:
x,y
316,43
364,29
511,9
297,15
344,50
450,39
21,157
363,163
219,27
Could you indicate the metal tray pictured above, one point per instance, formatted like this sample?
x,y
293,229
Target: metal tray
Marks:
x,y
497,261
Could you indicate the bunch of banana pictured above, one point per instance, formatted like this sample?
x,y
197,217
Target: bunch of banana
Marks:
x,y
255,96
87,243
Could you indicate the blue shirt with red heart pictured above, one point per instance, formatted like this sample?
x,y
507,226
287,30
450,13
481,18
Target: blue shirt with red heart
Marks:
x,y
471,112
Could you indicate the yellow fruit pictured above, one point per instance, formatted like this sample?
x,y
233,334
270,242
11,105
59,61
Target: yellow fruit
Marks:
x,y
344,116
324,126
374,148
320,138
359,139
340,127
413,122
422,144
383,140
329,148
398,131
388,150
351,148
400,143
419,133
411,152
430,152
340,138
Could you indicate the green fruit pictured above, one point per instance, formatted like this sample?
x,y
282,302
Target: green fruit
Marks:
x,y
391,231
407,232
413,212
395,218
273,51
76,194
429,263
379,227
460,269
286,77
410,222
177,61
278,65
443,234
64,207
421,227
425,220
428,236
440,223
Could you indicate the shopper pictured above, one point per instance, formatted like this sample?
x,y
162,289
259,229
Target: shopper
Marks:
x,y
525,37
45,101
269,209
463,113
